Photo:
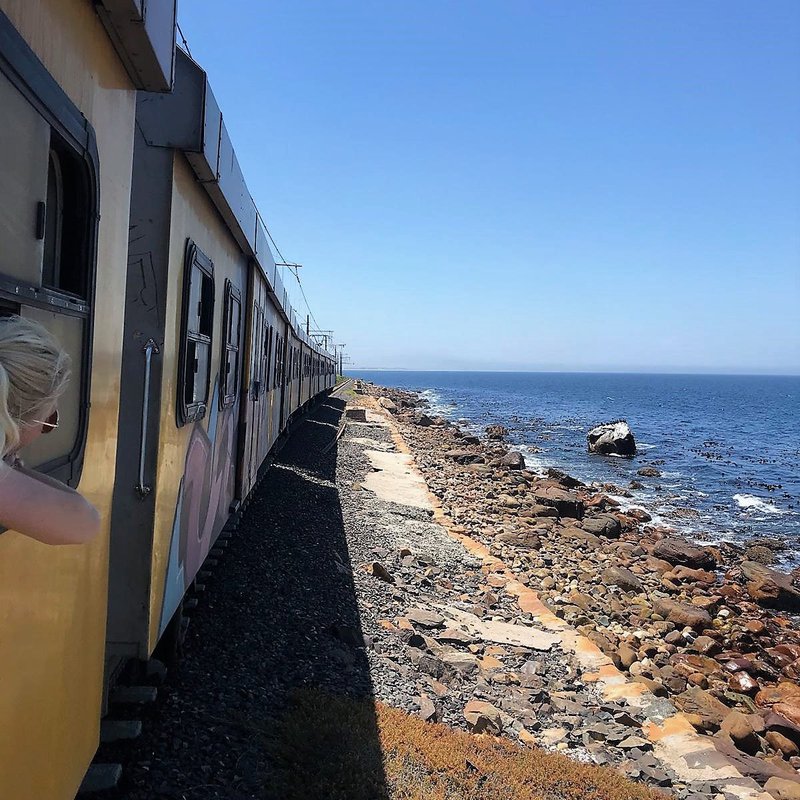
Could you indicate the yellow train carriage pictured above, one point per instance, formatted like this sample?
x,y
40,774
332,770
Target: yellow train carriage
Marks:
x,y
208,361
67,91
179,392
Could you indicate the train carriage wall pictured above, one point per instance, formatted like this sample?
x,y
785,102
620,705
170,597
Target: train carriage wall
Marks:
x,y
71,95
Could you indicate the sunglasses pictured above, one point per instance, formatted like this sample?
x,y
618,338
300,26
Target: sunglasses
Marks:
x,y
49,424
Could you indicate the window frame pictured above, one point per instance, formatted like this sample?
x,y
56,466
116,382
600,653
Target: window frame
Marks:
x,y
26,73
232,296
196,410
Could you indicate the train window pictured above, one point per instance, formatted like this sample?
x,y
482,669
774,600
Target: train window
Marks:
x,y
268,337
48,229
197,333
277,376
229,365
64,223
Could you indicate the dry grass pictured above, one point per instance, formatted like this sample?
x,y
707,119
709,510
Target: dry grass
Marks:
x,y
341,749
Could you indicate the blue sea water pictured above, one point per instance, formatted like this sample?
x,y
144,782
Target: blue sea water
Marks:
x,y
728,447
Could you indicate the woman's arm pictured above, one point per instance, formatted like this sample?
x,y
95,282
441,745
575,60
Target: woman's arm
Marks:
x,y
45,509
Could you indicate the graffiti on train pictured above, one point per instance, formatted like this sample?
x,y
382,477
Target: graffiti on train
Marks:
x,y
204,496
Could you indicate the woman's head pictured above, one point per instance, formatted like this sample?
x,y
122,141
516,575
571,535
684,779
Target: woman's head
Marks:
x,y
34,371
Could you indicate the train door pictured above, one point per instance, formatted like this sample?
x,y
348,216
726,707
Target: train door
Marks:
x,y
256,386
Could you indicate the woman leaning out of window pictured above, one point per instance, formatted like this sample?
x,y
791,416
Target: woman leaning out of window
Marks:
x,y
34,371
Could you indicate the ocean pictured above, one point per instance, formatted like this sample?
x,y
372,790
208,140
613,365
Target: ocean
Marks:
x,y
727,446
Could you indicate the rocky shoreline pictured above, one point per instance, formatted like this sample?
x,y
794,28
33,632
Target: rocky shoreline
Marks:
x,y
709,628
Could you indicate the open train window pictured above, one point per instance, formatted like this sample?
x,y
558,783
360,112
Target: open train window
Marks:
x,y
49,211
229,376
197,331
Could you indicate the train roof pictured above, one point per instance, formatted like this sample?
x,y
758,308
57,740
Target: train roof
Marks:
x,y
189,119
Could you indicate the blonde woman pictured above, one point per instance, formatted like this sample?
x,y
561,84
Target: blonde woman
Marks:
x,y
34,371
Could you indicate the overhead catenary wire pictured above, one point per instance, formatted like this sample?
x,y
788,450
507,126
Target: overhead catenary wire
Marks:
x,y
183,39
293,268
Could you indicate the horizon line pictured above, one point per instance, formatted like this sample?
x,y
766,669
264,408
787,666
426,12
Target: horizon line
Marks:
x,y
587,372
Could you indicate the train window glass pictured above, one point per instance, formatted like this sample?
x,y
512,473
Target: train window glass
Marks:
x,y
65,220
197,334
48,176
229,378
267,355
277,371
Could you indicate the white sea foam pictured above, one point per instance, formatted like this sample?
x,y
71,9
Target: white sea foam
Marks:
x,y
533,461
750,502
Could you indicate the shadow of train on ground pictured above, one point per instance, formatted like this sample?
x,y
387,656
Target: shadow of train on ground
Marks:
x,y
251,710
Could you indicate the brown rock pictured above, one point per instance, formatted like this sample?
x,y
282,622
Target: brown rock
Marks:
x,y
775,722
379,571
424,618
464,457
455,636
755,626
528,540
783,692
683,615
683,574
579,536
603,525
496,432
679,551
790,710
483,717
743,683
654,687
567,503
739,728
759,769
709,712
706,646
783,788
627,655
427,709
622,577
512,460
687,664
789,649
770,588
783,744
648,472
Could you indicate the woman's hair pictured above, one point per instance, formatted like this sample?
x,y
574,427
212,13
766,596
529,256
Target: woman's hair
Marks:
x,y
34,370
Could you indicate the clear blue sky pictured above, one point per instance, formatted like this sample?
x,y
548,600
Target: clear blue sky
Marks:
x,y
526,185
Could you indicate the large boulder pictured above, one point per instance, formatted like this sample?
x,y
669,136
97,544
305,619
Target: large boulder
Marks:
x,y
704,710
679,551
770,588
603,525
567,503
512,460
612,438
464,457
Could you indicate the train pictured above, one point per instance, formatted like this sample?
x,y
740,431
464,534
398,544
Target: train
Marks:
x,y
127,229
